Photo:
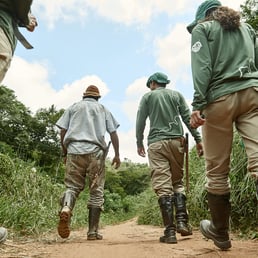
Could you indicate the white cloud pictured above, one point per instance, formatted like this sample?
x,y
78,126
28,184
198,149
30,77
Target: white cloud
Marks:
x,y
32,88
121,11
173,52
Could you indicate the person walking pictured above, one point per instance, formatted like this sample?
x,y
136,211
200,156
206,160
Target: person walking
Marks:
x,y
164,108
83,126
12,14
224,57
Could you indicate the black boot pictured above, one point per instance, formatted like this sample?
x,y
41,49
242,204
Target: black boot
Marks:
x,y
94,215
182,226
217,229
166,208
67,203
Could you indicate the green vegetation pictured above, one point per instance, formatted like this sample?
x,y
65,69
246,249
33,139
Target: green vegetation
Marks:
x,y
249,12
32,171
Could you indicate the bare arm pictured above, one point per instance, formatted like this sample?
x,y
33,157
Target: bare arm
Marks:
x,y
115,142
62,135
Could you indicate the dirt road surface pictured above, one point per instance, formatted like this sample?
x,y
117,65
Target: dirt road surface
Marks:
x,y
125,240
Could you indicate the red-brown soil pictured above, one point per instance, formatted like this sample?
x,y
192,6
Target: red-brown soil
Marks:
x,y
125,240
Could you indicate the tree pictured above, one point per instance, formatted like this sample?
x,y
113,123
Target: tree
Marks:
x,y
249,13
14,122
33,138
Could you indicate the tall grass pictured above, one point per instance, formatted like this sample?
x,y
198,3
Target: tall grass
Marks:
x,y
244,215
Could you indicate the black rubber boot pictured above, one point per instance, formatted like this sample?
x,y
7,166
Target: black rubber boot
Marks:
x,y
67,203
94,215
217,229
166,208
182,226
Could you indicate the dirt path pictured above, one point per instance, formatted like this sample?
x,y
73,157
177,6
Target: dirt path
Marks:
x,y
126,240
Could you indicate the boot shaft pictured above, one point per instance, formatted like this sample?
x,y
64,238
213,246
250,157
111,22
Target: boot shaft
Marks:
x,y
166,208
94,216
220,209
68,199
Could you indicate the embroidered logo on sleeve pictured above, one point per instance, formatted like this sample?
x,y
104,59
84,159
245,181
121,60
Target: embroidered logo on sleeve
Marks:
x,y
196,46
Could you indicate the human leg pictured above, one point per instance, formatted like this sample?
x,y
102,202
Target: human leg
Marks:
x,y
246,124
176,165
166,208
162,185
217,142
5,54
75,183
217,228
96,171
182,217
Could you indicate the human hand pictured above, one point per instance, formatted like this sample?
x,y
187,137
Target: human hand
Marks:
x,y
197,119
199,149
141,151
32,24
116,161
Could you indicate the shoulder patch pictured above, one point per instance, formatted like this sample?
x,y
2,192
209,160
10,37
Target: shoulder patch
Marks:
x,y
196,46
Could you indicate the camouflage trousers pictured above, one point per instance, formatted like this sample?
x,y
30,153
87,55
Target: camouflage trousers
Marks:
x,y
79,167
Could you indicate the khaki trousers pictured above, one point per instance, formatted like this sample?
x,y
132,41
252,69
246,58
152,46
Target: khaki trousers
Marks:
x,y
5,54
239,109
166,160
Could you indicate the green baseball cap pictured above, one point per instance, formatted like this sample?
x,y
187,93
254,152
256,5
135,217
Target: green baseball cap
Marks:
x,y
201,12
159,78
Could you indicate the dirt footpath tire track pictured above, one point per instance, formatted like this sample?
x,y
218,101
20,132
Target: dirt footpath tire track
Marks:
x,y
125,240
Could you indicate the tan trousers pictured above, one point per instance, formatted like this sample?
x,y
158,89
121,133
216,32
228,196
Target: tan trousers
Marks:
x,y
166,160
239,109
92,166
5,54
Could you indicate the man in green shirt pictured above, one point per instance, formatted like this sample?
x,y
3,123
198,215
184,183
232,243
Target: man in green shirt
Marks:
x,y
165,108
224,54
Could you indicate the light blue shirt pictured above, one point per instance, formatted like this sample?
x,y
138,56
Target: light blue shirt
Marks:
x,y
86,122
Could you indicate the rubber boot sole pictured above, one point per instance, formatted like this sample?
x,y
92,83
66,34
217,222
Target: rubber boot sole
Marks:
x,y
204,228
94,236
168,239
64,225
184,230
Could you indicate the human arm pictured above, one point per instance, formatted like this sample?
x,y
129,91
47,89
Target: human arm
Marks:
x,y
62,135
199,149
141,151
115,142
201,65
256,52
23,14
186,117
140,126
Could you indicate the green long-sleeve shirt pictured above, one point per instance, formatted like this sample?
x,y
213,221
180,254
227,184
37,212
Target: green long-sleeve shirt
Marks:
x,y
223,61
165,108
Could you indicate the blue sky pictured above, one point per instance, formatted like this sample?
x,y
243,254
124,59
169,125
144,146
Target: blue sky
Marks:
x,y
113,44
